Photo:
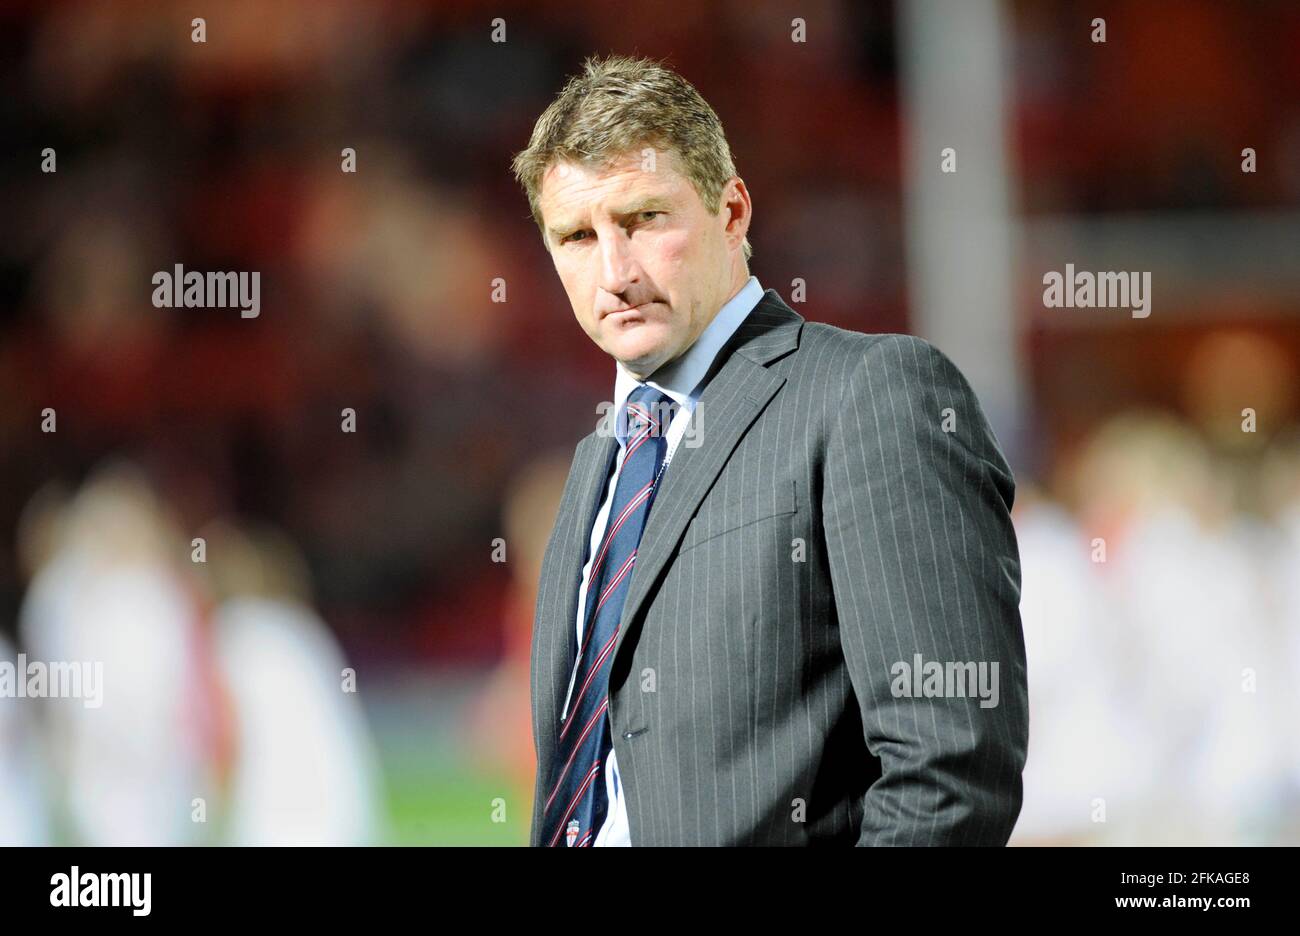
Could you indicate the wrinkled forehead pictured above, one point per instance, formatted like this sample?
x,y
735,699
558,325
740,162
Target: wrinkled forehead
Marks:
x,y
569,185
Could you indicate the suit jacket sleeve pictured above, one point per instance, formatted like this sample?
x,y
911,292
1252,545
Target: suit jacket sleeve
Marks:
x,y
923,560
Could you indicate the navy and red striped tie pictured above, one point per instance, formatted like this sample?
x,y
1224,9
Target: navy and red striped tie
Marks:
x,y
577,802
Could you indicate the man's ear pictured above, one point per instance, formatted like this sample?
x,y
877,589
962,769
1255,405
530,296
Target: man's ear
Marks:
x,y
738,208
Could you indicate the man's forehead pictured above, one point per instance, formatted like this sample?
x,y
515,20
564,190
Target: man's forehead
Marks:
x,y
572,186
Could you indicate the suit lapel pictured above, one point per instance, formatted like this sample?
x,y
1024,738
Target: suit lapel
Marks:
x,y
554,636
730,402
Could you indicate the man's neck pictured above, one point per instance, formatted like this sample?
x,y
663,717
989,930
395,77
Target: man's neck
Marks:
x,y
736,286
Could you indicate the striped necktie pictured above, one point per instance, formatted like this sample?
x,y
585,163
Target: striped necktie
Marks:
x,y
577,801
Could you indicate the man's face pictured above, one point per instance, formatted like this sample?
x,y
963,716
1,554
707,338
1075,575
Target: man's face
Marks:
x,y
645,266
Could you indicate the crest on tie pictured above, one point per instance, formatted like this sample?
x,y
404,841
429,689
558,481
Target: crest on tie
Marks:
x,y
571,832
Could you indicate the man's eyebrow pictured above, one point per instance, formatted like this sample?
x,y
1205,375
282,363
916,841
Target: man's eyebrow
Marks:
x,y
648,203
561,231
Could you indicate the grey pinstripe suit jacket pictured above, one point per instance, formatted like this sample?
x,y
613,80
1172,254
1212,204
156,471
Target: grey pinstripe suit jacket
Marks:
x,y
828,527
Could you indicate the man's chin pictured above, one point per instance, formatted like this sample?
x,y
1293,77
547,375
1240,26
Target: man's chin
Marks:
x,y
641,367
640,357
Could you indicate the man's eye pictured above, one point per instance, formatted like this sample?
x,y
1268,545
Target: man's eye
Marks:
x,y
648,215
573,237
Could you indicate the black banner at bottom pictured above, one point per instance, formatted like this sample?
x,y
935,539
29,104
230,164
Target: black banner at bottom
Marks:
x,y
137,886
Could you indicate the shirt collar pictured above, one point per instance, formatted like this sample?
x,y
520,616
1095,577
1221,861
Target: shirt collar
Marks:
x,y
680,378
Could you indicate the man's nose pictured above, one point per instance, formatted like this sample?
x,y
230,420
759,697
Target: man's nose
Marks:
x,y
618,269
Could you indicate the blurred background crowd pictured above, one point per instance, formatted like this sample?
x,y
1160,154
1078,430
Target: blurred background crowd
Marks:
x,y
348,663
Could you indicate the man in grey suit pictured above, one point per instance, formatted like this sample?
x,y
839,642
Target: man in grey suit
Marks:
x,y
780,601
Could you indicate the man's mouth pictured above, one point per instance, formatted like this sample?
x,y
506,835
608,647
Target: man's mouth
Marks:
x,y
629,310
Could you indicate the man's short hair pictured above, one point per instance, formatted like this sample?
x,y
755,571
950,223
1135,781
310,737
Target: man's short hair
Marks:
x,y
619,104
